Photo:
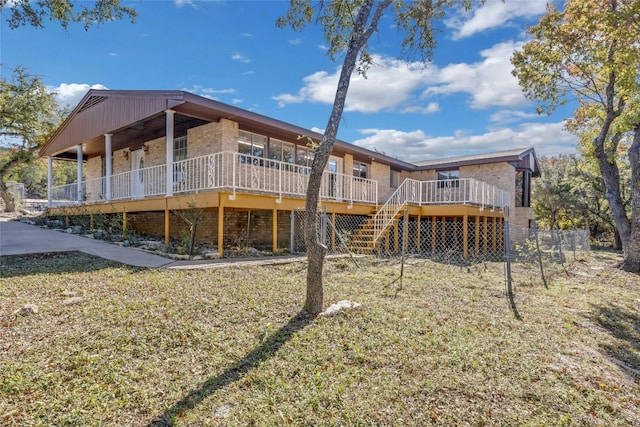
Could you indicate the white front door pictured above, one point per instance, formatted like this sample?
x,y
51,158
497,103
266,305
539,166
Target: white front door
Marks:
x,y
137,179
334,167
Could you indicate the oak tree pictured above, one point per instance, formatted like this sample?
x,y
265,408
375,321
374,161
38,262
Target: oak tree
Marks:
x,y
36,13
589,51
28,114
348,27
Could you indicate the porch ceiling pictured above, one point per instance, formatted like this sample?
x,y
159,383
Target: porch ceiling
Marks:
x,y
136,134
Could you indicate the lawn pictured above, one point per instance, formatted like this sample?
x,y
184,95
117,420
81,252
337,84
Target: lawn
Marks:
x,y
228,346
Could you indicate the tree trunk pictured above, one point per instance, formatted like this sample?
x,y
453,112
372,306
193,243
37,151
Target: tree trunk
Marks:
x,y
7,198
316,251
607,164
631,260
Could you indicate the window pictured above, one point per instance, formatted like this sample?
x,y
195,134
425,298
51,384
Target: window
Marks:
x,y
179,153
448,179
394,179
304,156
180,148
360,170
251,144
281,151
523,188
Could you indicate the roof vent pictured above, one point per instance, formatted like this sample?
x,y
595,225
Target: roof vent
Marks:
x,y
93,100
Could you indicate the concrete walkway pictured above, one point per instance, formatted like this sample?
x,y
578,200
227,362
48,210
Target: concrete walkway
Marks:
x,y
19,238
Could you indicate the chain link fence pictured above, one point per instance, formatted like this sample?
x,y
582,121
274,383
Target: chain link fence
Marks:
x,y
450,240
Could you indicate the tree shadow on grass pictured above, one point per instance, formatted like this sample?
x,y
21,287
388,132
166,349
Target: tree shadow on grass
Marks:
x,y
54,262
623,325
235,372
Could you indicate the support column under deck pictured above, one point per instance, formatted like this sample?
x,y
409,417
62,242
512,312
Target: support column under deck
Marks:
x,y
274,231
465,236
221,227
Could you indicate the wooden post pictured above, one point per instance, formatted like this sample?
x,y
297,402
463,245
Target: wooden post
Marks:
x,y
333,231
434,228
484,235
221,228
477,235
465,236
91,221
405,235
167,223
495,231
395,237
274,231
444,233
124,222
418,234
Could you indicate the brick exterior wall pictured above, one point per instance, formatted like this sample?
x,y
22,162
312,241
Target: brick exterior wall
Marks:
x,y
241,228
382,174
93,168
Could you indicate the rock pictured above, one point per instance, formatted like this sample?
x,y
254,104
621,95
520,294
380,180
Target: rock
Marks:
x,y
222,412
339,306
151,244
254,251
27,310
89,236
179,257
211,255
72,300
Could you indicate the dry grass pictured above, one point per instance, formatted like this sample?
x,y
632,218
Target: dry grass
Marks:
x,y
227,346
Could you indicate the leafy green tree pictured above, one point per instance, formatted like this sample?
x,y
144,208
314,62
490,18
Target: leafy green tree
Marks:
x,y
590,51
571,193
35,13
348,26
28,115
28,112
553,202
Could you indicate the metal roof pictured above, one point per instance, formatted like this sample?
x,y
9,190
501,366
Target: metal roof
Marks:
x,y
134,117
521,158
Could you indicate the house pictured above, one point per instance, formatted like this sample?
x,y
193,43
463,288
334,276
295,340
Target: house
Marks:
x,y
149,155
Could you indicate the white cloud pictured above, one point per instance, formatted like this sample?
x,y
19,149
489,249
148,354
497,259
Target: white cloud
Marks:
x,y
432,107
295,41
68,95
389,83
502,117
395,84
547,139
493,14
236,101
209,90
112,54
489,82
180,3
240,57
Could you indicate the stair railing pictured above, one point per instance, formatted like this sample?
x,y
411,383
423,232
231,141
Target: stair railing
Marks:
x,y
408,192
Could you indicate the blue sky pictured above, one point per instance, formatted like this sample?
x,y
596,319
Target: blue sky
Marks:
x,y
465,101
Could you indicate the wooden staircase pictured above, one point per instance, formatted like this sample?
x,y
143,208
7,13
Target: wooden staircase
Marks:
x,y
364,240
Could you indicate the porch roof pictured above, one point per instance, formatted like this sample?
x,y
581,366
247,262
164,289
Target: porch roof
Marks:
x,y
520,158
136,116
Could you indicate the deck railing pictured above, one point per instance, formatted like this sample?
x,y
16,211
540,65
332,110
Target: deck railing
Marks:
x,y
226,171
235,172
463,191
